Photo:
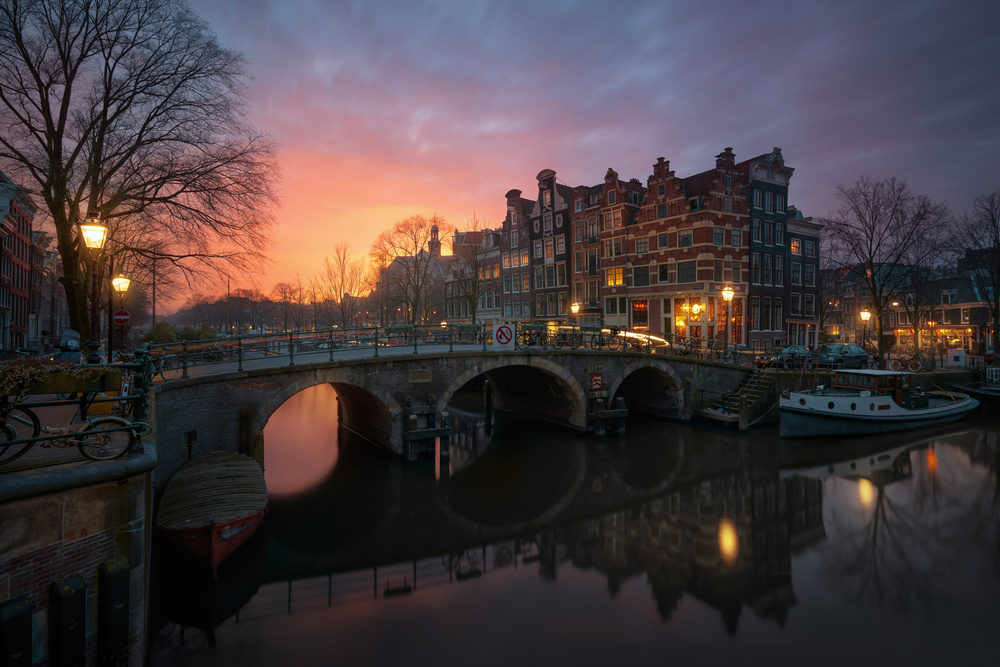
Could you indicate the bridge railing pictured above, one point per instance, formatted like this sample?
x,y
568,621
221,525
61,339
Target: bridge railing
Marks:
x,y
173,360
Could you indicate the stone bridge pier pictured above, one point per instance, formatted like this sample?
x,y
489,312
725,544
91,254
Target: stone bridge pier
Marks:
x,y
397,401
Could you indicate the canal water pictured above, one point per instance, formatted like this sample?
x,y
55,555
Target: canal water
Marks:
x,y
682,544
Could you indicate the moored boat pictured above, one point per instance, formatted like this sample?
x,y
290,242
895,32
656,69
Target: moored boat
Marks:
x,y
862,402
213,505
985,391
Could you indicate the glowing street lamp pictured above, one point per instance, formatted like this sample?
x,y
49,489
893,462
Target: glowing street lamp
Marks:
x,y
865,316
121,284
94,234
727,294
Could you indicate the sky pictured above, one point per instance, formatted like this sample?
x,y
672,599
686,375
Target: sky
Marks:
x,y
386,109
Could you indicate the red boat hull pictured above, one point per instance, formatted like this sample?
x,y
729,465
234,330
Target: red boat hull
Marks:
x,y
213,543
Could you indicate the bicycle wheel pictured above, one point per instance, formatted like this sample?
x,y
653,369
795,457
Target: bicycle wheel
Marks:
x,y
168,367
211,356
20,423
614,342
104,446
895,365
914,365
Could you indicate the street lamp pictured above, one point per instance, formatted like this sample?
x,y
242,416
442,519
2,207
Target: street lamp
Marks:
x,y
120,285
727,294
93,234
865,316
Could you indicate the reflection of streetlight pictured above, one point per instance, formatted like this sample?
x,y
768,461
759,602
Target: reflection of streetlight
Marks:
x,y
865,316
866,493
94,234
729,544
727,294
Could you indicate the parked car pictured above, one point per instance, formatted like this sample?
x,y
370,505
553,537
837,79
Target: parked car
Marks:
x,y
790,356
843,355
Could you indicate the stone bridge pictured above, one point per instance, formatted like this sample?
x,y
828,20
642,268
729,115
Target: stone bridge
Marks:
x,y
397,401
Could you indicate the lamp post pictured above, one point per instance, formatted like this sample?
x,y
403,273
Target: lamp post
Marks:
x,y
120,285
94,235
727,294
865,316
575,309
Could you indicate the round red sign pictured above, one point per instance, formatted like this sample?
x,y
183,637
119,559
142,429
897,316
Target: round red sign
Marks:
x,y
121,317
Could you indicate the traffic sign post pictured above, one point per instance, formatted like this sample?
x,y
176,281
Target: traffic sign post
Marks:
x,y
503,337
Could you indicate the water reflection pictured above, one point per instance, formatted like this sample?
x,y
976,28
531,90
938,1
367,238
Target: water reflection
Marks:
x,y
301,442
532,533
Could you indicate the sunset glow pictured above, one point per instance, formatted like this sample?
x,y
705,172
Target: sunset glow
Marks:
x,y
384,110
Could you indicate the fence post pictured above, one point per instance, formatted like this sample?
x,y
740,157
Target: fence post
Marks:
x,y
376,340
239,354
414,338
331,345
451,338
291,349
184,360
483,326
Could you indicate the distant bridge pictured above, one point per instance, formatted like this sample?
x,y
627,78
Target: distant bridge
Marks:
x,y
398,399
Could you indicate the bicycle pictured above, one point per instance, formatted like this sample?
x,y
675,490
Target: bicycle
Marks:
x,y
167,366
612,342
217,353
98,438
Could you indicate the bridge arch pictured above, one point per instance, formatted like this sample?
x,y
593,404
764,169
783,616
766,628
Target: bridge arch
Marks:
x,y
368,410
517,391
652,386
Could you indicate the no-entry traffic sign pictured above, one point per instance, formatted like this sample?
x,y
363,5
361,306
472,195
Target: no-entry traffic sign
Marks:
x,y
121,317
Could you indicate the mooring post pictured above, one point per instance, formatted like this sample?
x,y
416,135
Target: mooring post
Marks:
x,y
599,422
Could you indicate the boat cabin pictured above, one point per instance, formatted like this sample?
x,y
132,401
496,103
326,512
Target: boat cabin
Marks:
x,y
886,383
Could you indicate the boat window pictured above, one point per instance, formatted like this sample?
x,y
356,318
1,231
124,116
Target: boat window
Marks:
x,y
802,401
840,378
856,380
869,380
830,405
871,407
854,406
905,381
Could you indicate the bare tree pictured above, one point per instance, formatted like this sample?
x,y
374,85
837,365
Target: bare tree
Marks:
x,y
342,281
876,227
408,251
130,110
980,235
283,295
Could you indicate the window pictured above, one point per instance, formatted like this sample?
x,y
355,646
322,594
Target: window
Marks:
x,y
579,205
579,232
579,262
617,218
780,206
718,236
515,259
524,257
810,304
810,271
755,313
779,234
506,284
547,222
737,238
765,313
768,232
607,220
506,260
717,271
729,182
661,210
539,277
779,321
796,304
810,248
538,249
769,202
687,272
796,247
611,306
525,283
547,198
611,196
727,203
662,241
660,190
767,269
640,276
755,267
592,229
755,230
756,198
560,275
560,245
549,254
796,273
779,270
664,275
615,276
642,245
684,239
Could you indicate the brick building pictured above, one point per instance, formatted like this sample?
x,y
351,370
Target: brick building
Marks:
x,y
16,214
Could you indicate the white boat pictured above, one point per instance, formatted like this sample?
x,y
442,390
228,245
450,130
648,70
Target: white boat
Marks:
x,y
860,402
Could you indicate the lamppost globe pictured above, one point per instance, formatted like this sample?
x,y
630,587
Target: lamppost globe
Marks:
x,y
121,283
727,294
865,316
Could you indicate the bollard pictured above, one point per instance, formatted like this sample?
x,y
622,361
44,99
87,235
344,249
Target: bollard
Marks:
x,y
15,633
239,354
291,349
113,612
68,621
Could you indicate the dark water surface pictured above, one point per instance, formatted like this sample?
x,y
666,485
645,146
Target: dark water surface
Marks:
x,y
676,544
